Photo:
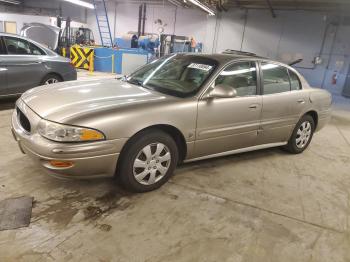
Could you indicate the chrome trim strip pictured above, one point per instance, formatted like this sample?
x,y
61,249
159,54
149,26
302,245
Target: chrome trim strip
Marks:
x,y
237,151
230,128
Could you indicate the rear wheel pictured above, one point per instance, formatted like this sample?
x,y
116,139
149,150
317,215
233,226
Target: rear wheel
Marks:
x,y
51,79
148,161
302,135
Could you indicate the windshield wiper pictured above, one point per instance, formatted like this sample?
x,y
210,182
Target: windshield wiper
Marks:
x,y
135,82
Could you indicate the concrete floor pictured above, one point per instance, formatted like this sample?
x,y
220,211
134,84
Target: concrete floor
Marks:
x,y
260,206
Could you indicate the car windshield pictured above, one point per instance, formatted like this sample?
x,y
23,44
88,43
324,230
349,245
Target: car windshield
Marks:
x,y
178,75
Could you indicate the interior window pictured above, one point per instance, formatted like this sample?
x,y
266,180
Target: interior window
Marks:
x,y
16,46
294,81
241,76
276,78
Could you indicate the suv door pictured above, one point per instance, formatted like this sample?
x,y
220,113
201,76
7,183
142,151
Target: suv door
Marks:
x,y
23,63
283,103
225,124
3,69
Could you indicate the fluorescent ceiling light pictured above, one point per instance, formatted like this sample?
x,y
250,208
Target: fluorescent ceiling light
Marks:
x,y
204,7
11,2
81,3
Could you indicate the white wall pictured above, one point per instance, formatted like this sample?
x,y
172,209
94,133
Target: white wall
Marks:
x,y
123,17
22,19
49,8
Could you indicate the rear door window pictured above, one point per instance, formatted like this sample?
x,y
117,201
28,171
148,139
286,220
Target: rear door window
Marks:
x,y
2,48
17,46
275,78
294,81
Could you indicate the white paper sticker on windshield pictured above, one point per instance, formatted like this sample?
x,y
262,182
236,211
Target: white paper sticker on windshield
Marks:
x,y
200,66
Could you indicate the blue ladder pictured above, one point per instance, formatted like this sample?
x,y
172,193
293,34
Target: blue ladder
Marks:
x,y
103,23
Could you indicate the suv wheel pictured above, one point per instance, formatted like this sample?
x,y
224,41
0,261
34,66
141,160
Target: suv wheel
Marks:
x,y
51,79
148,161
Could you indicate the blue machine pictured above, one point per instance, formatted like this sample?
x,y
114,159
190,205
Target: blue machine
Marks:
x,y
127,41
148,43
125,60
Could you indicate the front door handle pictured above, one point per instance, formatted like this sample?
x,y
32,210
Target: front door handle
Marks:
x,y
253,106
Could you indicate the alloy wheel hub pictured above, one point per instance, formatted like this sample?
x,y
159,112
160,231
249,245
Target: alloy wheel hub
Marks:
x,y
151,163
51,81
303,134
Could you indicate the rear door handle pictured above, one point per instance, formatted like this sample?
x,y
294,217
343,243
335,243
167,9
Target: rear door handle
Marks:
x,y
253,106
301,101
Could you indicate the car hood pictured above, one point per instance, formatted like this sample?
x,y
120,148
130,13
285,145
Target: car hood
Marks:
x,y
69,100
46,35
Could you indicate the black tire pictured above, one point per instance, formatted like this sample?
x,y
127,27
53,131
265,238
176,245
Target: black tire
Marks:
x,y
125,172
49,77
292,145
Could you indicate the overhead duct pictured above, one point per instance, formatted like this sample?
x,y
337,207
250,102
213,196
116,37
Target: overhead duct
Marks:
x,y
177,3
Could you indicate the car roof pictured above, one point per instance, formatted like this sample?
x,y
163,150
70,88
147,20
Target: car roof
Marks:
x,y
224,58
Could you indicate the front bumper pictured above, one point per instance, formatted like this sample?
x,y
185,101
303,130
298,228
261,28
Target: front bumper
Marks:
x,y
95,159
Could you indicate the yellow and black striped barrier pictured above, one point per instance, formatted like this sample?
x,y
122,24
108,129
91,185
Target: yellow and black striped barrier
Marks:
x,y
82,57
64,52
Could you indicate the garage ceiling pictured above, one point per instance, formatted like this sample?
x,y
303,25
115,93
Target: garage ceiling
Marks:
x,y
310,5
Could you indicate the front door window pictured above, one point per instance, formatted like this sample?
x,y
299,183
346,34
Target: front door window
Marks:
x,y
241,76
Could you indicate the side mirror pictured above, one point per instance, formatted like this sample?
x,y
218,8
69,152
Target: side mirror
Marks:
x,y
122,78
222,91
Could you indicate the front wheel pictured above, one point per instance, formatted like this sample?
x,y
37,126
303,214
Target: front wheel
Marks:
x,y
148,161
302,135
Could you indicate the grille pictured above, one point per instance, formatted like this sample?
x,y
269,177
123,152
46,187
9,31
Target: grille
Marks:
x,y
23,120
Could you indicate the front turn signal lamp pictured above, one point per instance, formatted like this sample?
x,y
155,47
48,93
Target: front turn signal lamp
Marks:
x,y
61,164
66,133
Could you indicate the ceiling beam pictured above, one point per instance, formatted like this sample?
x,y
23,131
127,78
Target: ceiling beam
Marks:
x,y
308,5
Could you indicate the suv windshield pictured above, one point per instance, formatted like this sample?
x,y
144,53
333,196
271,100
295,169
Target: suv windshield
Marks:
x,y
178,75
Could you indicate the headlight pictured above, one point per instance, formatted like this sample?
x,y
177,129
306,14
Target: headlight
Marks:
x,y
65,133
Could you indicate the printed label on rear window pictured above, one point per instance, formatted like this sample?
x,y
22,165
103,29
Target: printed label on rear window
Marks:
x,y
200,66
